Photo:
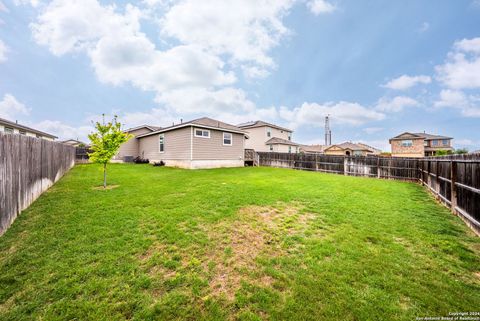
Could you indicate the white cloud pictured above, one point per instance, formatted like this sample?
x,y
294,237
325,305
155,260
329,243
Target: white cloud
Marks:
x,y
395,104
424,27
3,51
462,67
405,82
120,53
3,7
244,30
469,105
373,130
320,6
313,114
63,131
11,108
33,3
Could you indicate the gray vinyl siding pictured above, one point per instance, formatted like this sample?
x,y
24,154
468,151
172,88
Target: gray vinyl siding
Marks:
x,y
130,148
212,148
177,145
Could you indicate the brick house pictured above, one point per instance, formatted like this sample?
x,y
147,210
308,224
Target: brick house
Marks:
x,y
419,144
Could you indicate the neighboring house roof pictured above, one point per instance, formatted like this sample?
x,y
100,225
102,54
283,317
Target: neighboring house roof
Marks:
x,y
314,148
150,127
73,142
351,146
260,123
425,136
430,136
276,140
371,148
9,123
203,122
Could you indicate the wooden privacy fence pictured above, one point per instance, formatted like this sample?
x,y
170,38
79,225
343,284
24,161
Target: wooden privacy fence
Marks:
x,y
372,166
454,180
28,167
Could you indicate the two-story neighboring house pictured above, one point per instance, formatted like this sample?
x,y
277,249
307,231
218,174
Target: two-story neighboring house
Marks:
x,y
419,144
266,137
10,127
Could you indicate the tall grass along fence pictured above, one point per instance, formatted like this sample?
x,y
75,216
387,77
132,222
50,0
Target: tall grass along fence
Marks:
x,y
28,167
454,180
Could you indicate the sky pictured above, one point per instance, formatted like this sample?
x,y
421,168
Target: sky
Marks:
x,y
378,68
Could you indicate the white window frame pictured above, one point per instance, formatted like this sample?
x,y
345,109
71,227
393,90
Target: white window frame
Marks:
x,y
231,139
405,143
271,147
203,131
161,141
8,130
289,149
269,132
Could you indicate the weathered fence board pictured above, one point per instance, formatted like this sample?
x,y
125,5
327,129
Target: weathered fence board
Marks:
x,y
454,180
28,167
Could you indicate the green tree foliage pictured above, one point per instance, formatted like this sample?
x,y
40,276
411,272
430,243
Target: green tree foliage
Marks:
x,y
461,151
441,153
105,143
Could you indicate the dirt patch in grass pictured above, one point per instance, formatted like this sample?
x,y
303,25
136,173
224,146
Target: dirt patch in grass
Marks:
x,y
235,246
101,188
258,232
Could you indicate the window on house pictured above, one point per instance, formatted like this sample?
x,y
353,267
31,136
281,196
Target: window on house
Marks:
x,y
289,136
22,132
289,149
425,143
269,132
271,148
227,139
204,133
8,130
407,143
161,143
435,142
445,142
38,136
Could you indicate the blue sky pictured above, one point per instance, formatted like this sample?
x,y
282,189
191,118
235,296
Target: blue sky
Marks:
x,y
377,67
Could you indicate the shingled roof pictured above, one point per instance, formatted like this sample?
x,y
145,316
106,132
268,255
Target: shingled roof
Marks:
x,y
203,122
261,123
276,140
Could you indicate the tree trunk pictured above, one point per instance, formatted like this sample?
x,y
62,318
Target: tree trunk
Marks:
x,y
105,175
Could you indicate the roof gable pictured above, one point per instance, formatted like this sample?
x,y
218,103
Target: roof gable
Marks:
x,y
261,123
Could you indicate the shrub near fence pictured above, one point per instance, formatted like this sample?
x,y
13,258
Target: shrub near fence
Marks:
x,y
436,173
28,167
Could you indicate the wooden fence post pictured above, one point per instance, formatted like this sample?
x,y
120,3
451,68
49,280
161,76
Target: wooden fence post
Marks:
x,y
378,166
437,179
453,186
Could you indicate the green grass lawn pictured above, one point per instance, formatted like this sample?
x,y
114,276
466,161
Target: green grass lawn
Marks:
x,y
244,243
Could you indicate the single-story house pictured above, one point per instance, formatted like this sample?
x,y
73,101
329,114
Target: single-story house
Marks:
x,y
200,143
74,143
10,127
347,149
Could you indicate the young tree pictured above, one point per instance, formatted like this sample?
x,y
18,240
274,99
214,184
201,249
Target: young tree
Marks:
x,y
105,143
